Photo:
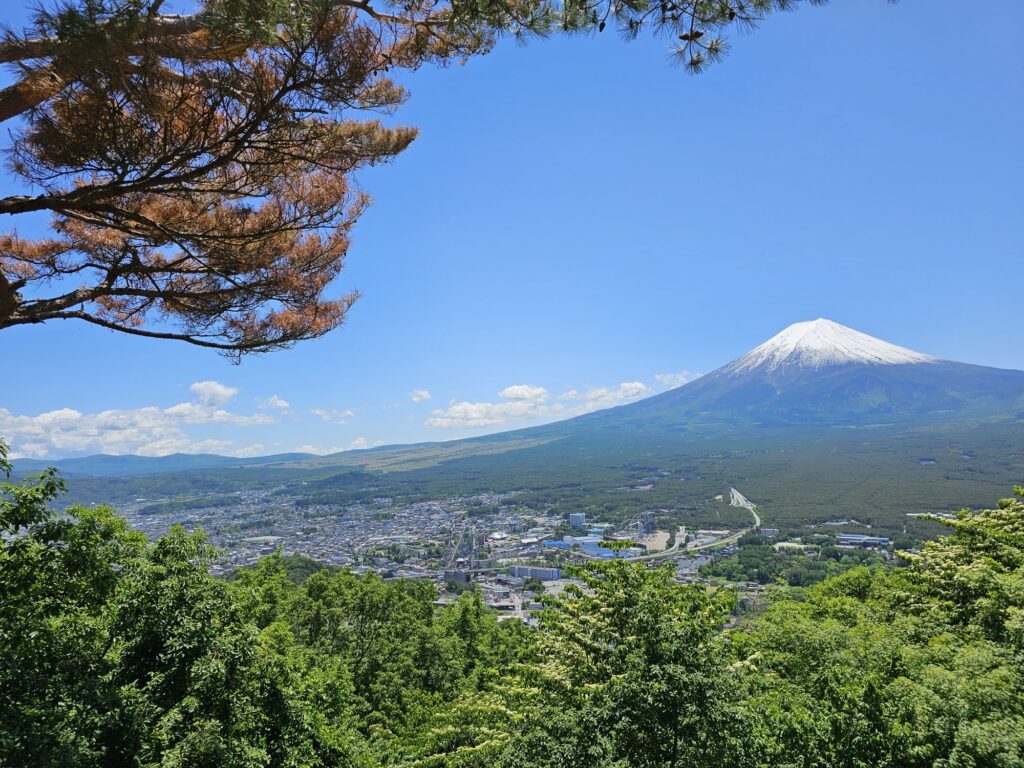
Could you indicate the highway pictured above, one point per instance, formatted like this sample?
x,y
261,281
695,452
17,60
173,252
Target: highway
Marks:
x,y
736,499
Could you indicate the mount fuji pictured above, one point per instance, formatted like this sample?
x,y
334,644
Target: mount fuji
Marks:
x,y
820,373
815,375
821,344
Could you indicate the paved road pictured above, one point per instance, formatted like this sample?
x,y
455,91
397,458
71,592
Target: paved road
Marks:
x,y
737,499
730,539
680,536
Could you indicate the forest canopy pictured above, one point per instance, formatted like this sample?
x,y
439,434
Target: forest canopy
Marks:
x,y
121,651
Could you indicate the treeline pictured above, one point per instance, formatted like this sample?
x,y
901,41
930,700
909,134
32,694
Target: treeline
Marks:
x,y
116,651
758,561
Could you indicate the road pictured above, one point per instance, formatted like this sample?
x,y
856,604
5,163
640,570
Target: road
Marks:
x,y
737,499
680,536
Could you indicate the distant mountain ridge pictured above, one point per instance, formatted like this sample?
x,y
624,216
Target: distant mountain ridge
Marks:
x,y
108,465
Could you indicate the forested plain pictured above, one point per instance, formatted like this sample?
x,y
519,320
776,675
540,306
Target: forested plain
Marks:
x,y
799,478
121,651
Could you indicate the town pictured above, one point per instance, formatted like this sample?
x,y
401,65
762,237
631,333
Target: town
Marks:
x,y
512,553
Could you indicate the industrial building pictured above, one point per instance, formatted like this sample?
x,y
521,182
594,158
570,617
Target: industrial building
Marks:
x,y
861,540
535,572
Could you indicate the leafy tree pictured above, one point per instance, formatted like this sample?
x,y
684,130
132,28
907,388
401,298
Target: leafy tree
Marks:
x,y
55,577
759,562
633,672
472,726
116,652
977,573
535,585
918,666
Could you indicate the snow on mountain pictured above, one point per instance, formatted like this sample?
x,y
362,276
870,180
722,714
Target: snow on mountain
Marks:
x,y
821,343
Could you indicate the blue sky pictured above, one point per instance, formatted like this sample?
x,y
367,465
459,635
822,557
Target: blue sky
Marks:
x,y
580,217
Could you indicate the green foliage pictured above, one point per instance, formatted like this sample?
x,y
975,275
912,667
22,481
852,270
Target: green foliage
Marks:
x,y
919,666
632,671
534,585
977,573
758,561
297,568
119,651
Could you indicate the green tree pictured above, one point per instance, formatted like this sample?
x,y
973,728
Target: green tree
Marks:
x,y
917,666
57,577
633,672
119,652
123,652
977,573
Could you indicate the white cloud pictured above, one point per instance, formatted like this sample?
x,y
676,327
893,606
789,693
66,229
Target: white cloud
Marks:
x,y
520,401
468,415
359,444
147,431
420,395
318,449
199,413
524,392
276,402
213,392
335,416
528,402
256,449
673,380
28,451
596,398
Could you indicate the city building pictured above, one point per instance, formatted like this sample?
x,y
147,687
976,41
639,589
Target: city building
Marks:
x,y
535,572
861,540
577,520
646,522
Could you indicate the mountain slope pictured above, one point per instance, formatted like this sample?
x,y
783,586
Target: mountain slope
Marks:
x,y
821,343
819,374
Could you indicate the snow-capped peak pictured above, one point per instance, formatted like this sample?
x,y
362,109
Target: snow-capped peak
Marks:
x,y
821,343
